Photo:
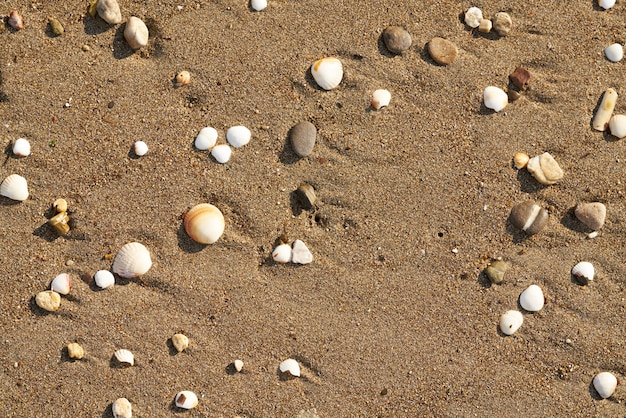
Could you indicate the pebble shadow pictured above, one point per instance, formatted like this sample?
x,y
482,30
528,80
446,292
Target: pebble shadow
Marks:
x,y
121,49
527,182
382,48
572,223
46,232
170,347
230,369
594,393
131,153
108,413
484,281
186,244
288,156
95,26
517,235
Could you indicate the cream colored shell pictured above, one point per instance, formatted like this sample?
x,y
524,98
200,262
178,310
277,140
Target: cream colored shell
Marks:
x,y
204,223
14,187
327,72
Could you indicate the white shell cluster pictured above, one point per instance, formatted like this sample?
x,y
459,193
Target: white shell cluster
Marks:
x,y
605,384
21,147
133,260
291,367
380,99
511,321
614,52
327,72
136,33
204,223
14,187
532,298
61,284
124,357
104,279
140,148
186,399
297,253
236,136
495,98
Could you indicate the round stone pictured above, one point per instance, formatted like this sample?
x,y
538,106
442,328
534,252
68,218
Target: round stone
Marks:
x,y
48,300
502,23
397,39
591,214
442,51
303,138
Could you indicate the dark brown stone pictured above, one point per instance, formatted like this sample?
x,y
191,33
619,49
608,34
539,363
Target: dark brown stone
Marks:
x,y
520,78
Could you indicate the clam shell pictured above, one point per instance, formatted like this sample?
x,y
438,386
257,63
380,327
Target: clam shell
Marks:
x,y
132,260
495,98
545,169
206,139
532,298
186,399
124,357
605,384
204,223
380,99
282,253
221,153
238,136
306,195
104,279
61,284
583,272
617,126
327,72
122,408
136,33
258,5
140,148
14,187
21,147
510,321
290,366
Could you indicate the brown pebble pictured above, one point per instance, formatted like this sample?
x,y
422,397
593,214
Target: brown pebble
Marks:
x,y
520,78
397,39
591,214
303,138
502,23
15,20
442,51
514,94
522,217
495,271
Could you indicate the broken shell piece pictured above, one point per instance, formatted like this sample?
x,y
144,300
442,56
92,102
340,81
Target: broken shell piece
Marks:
x,y
300,253
605,384
221,153
183,78
605,110
583,272
545,169
140,148
21,147
380,99
75,351
529,217
485,25
520,160
180,342
15,20
122,408
60,205
204,223
495,271
109,11
502,23
61,284
614,52
104,279
186,399
124,357
48,300
60,223
291,367
206,139
495,98
617,126
327,72
136,33
306,195
238,365
591,214
133,260
14,187
238,136
282,253
510,322
532,298
473,16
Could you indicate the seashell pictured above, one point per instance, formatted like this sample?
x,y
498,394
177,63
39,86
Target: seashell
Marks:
x,y
510,321
60,205
397,39
606,4
614,52
591,214
520,160
61,284
186,399
380,99
48,300
282,253
583,272
132,260
495,98
545,169
104,279
300,253
206,139
238,136
502,23
327,72
60,223
605,384
21,147
485,25
140,148
55,26
617,126
238,365
15,20
136,33
532,298
302,136
605,111
258,5
306,195
183,78
122,408
124,357
473,15
14,187
221,153
204,223
291,367
75,351
180,342
109,11
495,271
529,217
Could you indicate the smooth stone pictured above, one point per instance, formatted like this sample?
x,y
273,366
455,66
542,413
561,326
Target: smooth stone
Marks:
x,y
180,342
495,271
532,298
442,51
520,78
502,23
605,384
300,253
397,39
48,300
75,351
136,33
545,169
591,214
55,26
511,321
485,25
303,138
122,408
614,52
221,153
529,217
258,5
109,11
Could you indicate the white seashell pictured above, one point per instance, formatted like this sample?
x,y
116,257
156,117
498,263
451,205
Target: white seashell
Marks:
x,y
136,33
206,139
122,408
473,16
300,254
614,52
238,136
61,284
21,147
617,125
186,399
327,72
204,223
132,260
109,11
532,298
14,187
290,366
282,253
510,322
104,279
124,357
495,98
238,364
606,4
584,272
140,148
380,99
605,384
605,110
221,153
258,5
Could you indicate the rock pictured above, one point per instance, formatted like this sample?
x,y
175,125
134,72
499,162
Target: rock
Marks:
x,y
545,169
75,351
303,138
136,33
300,254
48,300
485,25
180,342
529,217
122,408
55,26
502,23
495,271
520,77
442,51
591,214
109,11
397,39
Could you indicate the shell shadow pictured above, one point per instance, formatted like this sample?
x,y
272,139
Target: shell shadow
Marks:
x,y
185,242
594,393
170,348
230,369
571,222
425,56
121,49
308,77
108,412
5,201
131,153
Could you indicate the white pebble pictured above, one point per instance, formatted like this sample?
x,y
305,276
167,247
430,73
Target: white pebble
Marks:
x,y
510,322
206,139
238,365
300,254
221,153
606,4
605,384
238,136
282,254
140,148
380,99
258,5
532,298
473,16
495,98
21,147
122,408
614,53
617,125
290,366
104,279
136,33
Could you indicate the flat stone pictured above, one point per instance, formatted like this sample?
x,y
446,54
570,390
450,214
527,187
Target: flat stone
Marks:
x,y
442,51
545,169
303,138
300,254
591,214
397,39
502,23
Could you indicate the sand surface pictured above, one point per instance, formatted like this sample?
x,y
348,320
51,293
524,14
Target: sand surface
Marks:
x,y
388,320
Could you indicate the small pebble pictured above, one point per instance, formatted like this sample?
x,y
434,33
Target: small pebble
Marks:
x,y
55,26
545,169
258,5
617,126
104,279
510,322
591,214
206,139
238,364
502,23
397,39
85,48
473,16
15,20
75,351
48,300
614,53
442,51
520,160
606,4
122,408
21,147
495,271
140,148
221,153
183,78
302,137
109,11
485,25
529,217
60,205
180,342
532,298
238,136
300,253
520,78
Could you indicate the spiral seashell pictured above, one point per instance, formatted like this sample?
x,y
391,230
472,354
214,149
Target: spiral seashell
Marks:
x,y
327,72
124,357
136,33
204,223
61,284
132,260
14,187
186,399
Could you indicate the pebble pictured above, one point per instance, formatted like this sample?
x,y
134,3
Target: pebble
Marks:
x,y
303,138
606,4
532,298
605,384
617,126
473,16
529,217
183,78
485,25
614,52
545,169
109,11
282,253
495,271
238,364
520,78
21,147
136,33
60,205
510,322
122,408
75,351
520,160
140,148
397,39
55,26
221,153
15,20
495,98
238,136
180,342
591,214
442,51
380,99
258,5
502,23
603,115
48,300
300,253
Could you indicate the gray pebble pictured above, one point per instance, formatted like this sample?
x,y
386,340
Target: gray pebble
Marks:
x,y
397,39
591,214
442,51
502,23
303,138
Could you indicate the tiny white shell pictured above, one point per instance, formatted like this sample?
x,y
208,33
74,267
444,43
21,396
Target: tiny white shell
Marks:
x,y
606,4
300,253
510,321
132,260
124,357
204,223
532,298
605,384
61,284
380,99
238,365
495,98
206,139
221,153
327,72
104,279
238,136
584,270
258,5
614,52
122,408
186,399
136,33
21,147
617,125
140,148
282,253
290,366
473,16
14,187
